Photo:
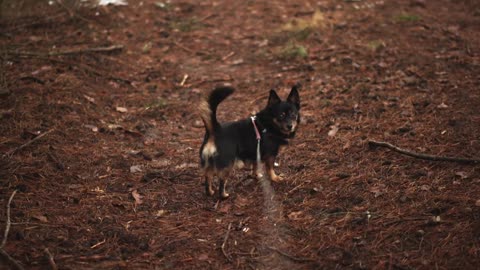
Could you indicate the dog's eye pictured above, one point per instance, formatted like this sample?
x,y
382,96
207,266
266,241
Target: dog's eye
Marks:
x,y
282,115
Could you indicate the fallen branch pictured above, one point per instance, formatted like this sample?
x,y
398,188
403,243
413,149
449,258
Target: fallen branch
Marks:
x,y
72,51
7,226
225,242
11,260
13,151
422,156
3,253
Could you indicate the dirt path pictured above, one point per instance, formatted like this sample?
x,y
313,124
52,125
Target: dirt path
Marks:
x,y
115,184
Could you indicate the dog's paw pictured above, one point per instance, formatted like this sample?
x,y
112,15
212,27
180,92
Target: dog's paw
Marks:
x,y
209,191
224,195
276,178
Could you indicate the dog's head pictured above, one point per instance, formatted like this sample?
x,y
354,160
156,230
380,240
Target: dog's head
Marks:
x,y
285,114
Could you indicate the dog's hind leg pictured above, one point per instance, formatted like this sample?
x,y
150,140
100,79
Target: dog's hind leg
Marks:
x,y
208,182
222,177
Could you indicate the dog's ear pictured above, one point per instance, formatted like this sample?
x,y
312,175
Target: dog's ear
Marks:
x,y
293,97
273,99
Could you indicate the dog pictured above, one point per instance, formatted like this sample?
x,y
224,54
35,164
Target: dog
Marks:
x,y
265,133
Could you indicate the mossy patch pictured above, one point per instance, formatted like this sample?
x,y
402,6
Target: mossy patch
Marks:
x,y
405,17
293,51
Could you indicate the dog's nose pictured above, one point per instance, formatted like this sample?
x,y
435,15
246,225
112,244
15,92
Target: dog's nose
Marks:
x,y
289,126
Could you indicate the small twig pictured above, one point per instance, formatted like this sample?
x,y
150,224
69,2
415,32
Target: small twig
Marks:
x,y
228,56
60,2
206,17
7,226
3,253
184,80
297,187
33,79
296,259
11,260
51,261
187,49
70,12
13,151
183,47
99,243
225,242
422,156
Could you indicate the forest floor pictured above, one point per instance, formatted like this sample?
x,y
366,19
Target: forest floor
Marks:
x,y
99,135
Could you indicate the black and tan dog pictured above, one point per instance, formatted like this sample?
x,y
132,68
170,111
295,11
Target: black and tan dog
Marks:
x,y
226,144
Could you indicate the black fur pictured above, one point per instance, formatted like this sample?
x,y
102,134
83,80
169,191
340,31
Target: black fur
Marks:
x,y
233,141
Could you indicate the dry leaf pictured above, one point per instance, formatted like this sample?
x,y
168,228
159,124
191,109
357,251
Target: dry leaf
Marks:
x,y
241,202
347,145
90,99
333,130
92,127
114,126
160,213
159,163
203,257
477,203
425,188
462,175
137,197
295,215
225,208
136,168
442,106
121,109
186,165
378,190
237,62
40,218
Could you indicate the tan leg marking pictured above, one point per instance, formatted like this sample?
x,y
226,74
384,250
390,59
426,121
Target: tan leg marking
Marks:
x,y
269,163
223,179
208,182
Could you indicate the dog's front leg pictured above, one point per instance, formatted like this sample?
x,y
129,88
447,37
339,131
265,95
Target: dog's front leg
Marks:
x,y
270,163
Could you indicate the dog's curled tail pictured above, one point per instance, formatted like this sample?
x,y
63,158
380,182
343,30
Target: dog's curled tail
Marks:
x,y
208,107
